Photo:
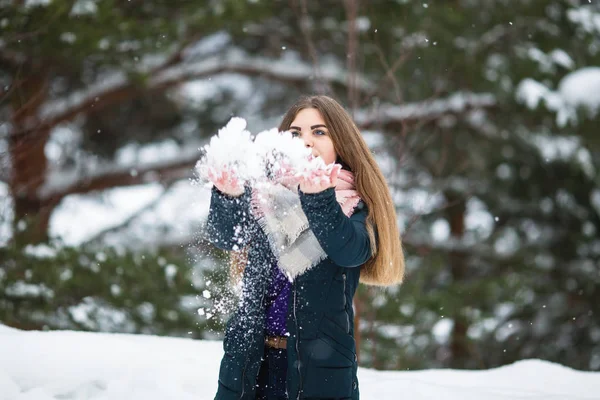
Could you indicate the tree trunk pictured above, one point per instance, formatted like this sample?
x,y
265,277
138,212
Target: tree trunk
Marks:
x,y
27,141
459,345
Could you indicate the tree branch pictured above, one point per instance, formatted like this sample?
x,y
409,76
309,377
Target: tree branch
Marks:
x,y
119,88
100,235
351,8
390,75
12,59
165,172
184,52
304,23
4,174
457,103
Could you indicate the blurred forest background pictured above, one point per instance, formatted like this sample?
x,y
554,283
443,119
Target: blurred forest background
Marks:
x,y
482,113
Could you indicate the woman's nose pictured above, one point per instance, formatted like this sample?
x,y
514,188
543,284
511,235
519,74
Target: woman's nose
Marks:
x,y
307,142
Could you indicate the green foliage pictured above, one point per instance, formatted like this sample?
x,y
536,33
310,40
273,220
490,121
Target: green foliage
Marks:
x,y
517,291
55,287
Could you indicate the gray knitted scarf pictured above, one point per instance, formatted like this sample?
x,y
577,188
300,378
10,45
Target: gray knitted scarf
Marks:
x,y
279,213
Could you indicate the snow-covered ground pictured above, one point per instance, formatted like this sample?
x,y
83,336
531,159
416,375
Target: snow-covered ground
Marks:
x,y
78,365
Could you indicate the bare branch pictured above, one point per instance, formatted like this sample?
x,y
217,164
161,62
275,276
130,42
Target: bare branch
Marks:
x,y
389,75
183,52
312,50
351,8
12,59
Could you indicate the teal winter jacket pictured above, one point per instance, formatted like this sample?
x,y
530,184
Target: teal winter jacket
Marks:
x,y
321,351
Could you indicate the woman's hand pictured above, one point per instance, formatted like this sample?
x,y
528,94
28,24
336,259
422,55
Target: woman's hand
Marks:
x,y
286,176
226,181
321,179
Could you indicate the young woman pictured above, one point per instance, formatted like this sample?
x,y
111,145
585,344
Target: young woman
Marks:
x,y
305,249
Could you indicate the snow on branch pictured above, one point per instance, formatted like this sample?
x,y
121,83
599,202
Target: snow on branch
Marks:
x,y
579,89
454,104
118,87
128,221
61,183
278,70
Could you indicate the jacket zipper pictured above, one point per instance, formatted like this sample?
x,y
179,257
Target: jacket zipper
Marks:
x,y
297,346
346,305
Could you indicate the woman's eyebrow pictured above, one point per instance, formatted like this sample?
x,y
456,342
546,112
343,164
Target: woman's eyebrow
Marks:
x,y
311,128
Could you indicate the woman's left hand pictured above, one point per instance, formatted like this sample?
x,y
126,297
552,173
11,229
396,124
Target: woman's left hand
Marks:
x,y
321,179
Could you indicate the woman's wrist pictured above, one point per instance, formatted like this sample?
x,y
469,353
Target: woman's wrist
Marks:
x,y
228,194
231,193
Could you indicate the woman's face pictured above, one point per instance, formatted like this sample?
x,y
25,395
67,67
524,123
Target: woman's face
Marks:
x,y
310,127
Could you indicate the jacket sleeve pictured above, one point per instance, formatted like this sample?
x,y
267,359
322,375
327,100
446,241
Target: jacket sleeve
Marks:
x,y
230,223
344,239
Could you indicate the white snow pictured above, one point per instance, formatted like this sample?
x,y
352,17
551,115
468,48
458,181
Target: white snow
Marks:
x,y
546,62
99,366
561,57
582,88
176,216
556,147
36,3
24,290
84,7
455,103
272,154
275,147
135,155
579,89
586,18
531,92
442,330
231,149
147,160
197,92
119,204
207,45
233,61
6,214
40,251
55,108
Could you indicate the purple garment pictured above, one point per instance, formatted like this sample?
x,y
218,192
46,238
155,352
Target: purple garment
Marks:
x,y
277,303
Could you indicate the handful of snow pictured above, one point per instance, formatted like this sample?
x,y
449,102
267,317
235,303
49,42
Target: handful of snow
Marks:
x,y
280,153
230,149
271,156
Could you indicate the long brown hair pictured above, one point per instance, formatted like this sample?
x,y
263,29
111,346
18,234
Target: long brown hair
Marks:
x,y
386,266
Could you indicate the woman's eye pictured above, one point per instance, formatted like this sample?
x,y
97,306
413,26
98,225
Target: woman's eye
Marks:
x,y
319,132
295,134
